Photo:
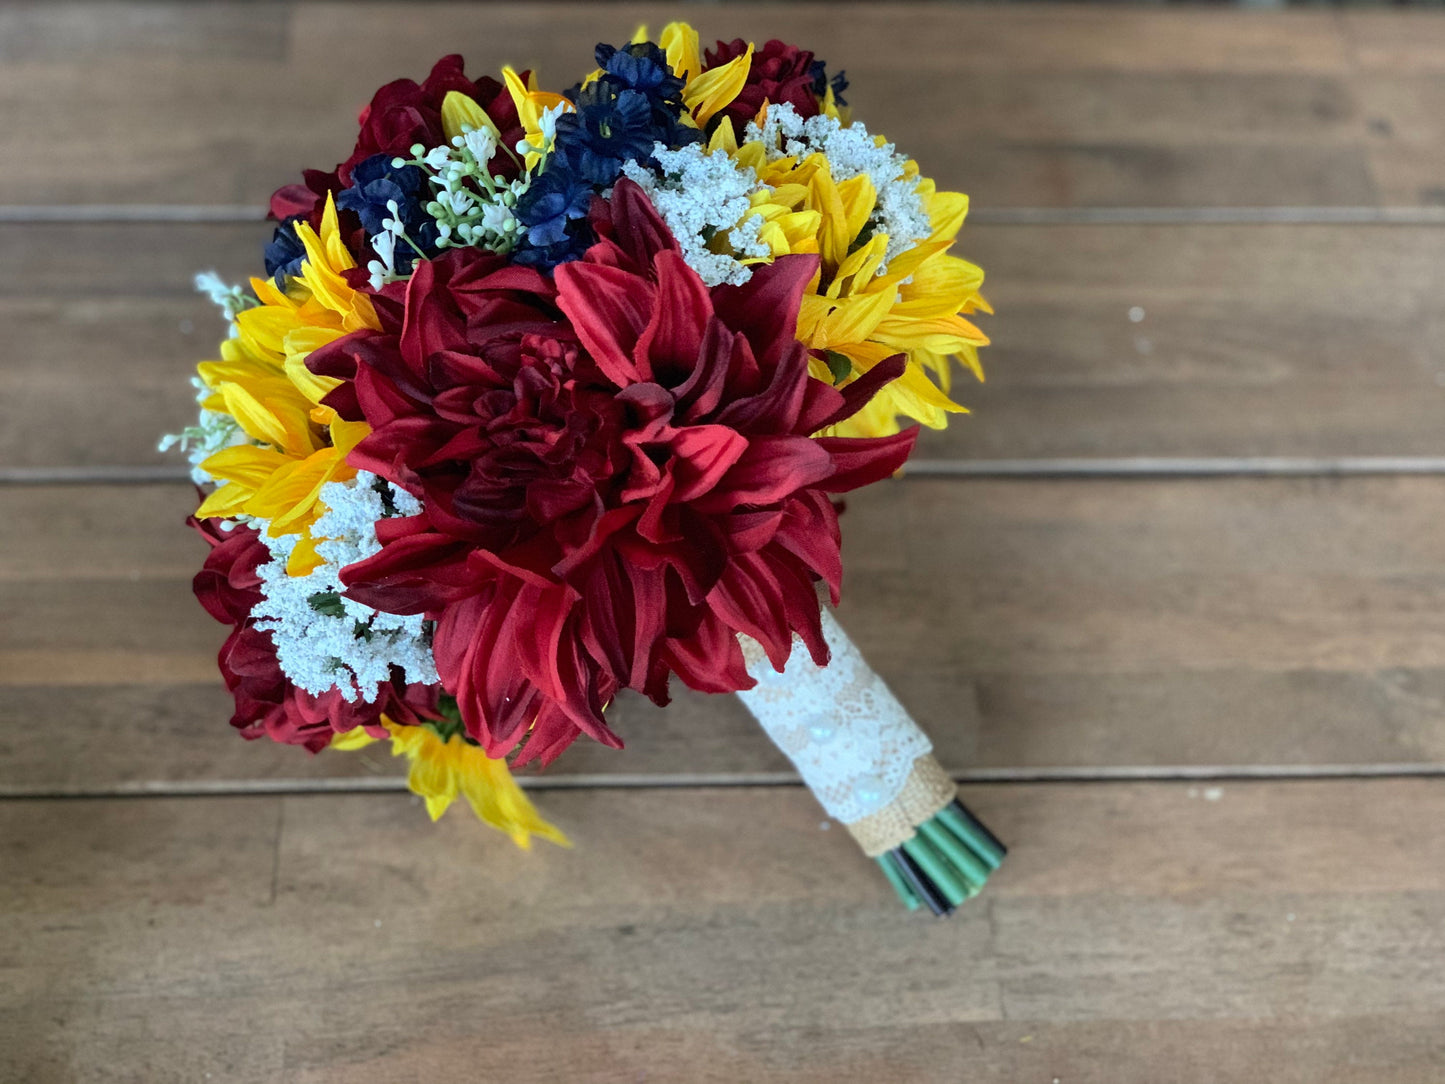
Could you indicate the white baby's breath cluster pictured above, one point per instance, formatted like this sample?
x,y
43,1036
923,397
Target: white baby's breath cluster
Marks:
x,y
212,431
852,151
229,299
324,640
700,196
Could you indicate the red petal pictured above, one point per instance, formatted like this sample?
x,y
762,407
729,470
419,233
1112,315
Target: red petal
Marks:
x,y
852,397
610,309
765,308
681,310
705,453
861,461
770,469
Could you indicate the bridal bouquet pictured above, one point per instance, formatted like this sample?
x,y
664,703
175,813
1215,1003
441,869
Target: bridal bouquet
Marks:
x,y
547,396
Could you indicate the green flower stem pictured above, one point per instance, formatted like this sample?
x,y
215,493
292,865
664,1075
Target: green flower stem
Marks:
x,y
974,835
973,871
936,867
905,893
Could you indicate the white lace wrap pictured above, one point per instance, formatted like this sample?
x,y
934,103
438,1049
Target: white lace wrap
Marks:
x,y
849,737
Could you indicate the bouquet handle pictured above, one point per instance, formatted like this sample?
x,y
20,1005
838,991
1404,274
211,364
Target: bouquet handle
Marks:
x,y
872,768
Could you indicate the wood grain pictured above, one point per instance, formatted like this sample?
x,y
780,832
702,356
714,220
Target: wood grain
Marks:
x,y
1137,933
1140,932
1249,340
1044,106
1025,624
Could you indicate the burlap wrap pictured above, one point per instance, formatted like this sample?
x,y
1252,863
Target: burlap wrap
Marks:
x,y
927,791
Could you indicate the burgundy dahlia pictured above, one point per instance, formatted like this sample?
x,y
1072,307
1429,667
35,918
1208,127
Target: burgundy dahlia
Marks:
x,y
616,472
267,704
779,73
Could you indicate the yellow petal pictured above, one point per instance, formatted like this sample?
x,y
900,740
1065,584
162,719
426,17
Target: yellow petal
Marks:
x,y
969,357
268,293
909,260
945,277
923,395
460,113
288,497
856,274
679,41
326,258
854,319
713,91
531,103
304,558
245,463
519,91
432,779
940,335
355,738
264,329
866,355
224,502
277,421
347,435
858,197
946,211
299,344
724,139
216,373
834,239
497,800
441,770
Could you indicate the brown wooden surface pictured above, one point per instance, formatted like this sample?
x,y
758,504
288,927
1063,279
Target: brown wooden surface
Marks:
x,y
1199,340
1141,931
1026,624
1050,107
1283,931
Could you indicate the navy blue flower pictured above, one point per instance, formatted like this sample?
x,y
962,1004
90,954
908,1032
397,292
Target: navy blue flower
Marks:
x,y
609,128
821,82
553,200
285,253
634,104
643,67
571,247
376,183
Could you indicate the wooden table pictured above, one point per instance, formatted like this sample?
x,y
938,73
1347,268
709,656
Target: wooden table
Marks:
x,y
1171,602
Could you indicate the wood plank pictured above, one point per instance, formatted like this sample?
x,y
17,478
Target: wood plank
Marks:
x,y
1400,42
1055,106
1206,340
1250,340
1407,137
1290,932
1025,624
1401,59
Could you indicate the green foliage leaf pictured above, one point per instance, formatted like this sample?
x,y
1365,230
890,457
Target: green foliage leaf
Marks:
x,y
840,365
327,603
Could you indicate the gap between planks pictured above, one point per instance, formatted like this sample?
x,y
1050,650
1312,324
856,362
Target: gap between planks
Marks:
x,y
679,781
1095,467
984,216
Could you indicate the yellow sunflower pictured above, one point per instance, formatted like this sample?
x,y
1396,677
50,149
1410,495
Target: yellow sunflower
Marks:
x,y
851,314
705,93
444,768
860,317
262,381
